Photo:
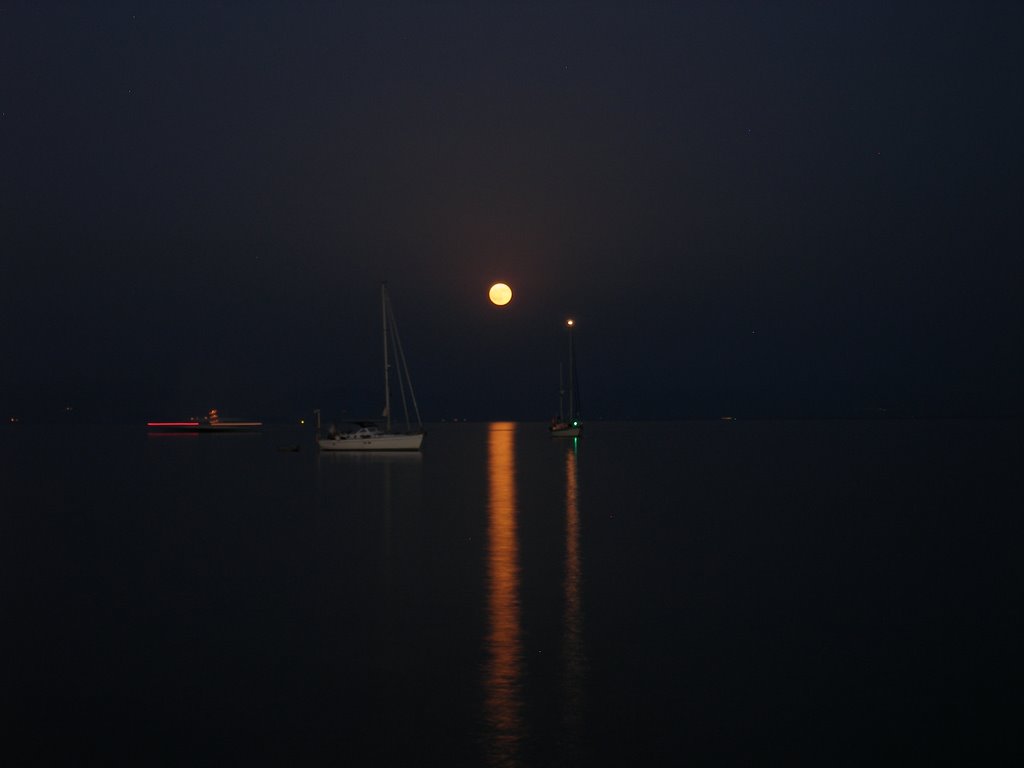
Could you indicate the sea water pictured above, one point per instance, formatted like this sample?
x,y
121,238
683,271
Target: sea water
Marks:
x,y
711,592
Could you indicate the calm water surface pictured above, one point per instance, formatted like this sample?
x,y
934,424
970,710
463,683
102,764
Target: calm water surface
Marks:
x,y
728,593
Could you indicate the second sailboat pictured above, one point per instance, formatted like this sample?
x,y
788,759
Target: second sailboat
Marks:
x,y
568,424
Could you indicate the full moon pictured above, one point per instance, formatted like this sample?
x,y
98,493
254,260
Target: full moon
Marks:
x,y
500,294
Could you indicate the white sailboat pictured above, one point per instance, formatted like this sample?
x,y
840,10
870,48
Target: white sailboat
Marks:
x,y
568,424
370,436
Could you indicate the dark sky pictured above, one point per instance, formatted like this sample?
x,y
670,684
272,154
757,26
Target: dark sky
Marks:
x,y
753,209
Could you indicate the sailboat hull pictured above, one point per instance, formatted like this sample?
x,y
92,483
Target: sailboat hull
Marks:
x,y
566,431
381,442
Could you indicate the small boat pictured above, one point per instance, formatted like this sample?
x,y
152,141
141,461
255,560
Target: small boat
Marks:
x,y
212,422
568,423
369,436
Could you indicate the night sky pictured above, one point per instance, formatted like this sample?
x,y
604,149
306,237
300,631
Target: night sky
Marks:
x,y
751,209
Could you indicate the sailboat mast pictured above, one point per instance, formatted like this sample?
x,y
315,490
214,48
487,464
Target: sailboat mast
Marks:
x,y
384,325
572,365
561,395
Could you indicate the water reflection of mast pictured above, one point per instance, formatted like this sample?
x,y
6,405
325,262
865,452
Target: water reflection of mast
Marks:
x,y
572,637
502,685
